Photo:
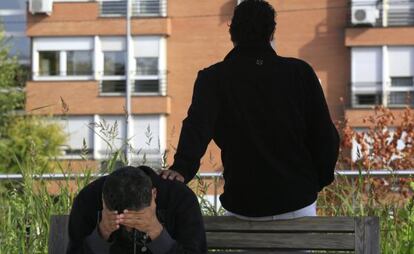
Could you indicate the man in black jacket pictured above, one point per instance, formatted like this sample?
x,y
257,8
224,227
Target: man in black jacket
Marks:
x,y
133,210
269,116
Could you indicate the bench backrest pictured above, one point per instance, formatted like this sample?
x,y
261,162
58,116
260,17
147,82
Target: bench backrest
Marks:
x,y
359,234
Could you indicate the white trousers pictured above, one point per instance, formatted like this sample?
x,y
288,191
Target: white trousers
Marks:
x,y
309,210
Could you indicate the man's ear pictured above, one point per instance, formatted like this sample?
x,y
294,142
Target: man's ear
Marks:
x,y
154,193
103,203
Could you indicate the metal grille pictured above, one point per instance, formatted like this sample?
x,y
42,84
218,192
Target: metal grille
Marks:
x,y
141,84
366,94
139,8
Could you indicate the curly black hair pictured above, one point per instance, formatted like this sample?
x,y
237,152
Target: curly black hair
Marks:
x,y
127,188
253,22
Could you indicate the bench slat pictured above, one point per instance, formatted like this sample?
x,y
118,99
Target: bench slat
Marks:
x,y
265,252
307,224
58,237
221,240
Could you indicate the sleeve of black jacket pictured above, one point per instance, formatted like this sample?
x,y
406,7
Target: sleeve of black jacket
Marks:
x,y
322,136
198,127
83,236
77,229
189,236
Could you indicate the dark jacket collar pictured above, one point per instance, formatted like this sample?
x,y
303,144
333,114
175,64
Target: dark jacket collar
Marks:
x,y
251,50
155,178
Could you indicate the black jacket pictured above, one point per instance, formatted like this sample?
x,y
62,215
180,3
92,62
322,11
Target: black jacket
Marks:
x,y
177,209
269,116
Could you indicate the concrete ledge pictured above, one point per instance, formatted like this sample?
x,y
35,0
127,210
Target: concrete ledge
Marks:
x,y
83,98
379,36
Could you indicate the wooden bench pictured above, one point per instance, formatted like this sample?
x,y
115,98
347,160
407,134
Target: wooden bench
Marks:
x,y
230,235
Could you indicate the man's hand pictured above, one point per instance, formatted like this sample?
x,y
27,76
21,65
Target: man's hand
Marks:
x,y
172,175
144,220
109,222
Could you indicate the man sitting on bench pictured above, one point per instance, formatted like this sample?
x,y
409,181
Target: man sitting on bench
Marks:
x,y
133,210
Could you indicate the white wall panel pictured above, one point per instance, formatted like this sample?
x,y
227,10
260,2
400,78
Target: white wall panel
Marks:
x,y
63,43
147,132
146,46
401,61
366,64
113,43
119,139
77,129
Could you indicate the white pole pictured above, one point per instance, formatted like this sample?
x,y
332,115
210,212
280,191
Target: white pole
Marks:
x,y
385,8
385,76
128,107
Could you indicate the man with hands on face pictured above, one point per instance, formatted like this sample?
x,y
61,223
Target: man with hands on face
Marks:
x,y
133,210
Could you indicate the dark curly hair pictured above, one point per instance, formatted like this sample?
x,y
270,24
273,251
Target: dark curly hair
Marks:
x,y
127,188
253,22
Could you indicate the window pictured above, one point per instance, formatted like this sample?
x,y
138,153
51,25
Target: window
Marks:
x,y
368,99
114,72
149,139
401,98
114,63
401,71
148,78
113,66
49,62
79,63
147,133
78,129
62,58
369,84
114,133
366,76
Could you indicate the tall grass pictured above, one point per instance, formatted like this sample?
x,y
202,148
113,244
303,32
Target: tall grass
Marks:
x,y
25,209
364,197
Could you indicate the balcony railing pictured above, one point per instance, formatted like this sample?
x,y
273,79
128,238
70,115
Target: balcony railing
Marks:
x,y
139,8
369,94
366,94
142,84
382,13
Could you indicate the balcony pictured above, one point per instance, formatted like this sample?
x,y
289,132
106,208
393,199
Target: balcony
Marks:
x,y
139,8
383,13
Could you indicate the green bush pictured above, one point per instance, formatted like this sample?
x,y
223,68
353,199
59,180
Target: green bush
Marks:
x,y
30,137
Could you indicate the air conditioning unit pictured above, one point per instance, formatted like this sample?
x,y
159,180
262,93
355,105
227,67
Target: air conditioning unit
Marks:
x,y
41,6
364,15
